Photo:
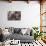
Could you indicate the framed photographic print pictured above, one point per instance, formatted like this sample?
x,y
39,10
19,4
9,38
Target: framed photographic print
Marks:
x,y
14,15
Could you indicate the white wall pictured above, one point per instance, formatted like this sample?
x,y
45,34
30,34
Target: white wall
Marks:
x,y
30,14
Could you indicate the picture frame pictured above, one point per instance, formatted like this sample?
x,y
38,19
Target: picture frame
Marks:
x,y
14,15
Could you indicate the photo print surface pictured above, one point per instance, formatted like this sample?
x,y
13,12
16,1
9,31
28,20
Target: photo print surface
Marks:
x,y
14,15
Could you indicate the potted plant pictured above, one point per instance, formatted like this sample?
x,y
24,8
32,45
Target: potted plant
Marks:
x,y
37,33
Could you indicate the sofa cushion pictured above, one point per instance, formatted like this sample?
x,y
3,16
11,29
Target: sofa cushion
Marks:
x,y
17,30
23,31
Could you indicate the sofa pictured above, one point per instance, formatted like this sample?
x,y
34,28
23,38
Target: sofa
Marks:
x,y
18,35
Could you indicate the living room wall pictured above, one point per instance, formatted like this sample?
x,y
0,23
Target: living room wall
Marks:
x,y
30,14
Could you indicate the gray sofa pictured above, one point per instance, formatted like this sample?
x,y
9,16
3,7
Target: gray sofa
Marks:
x,y
17,35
